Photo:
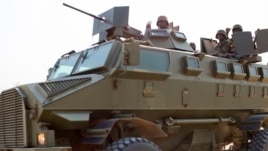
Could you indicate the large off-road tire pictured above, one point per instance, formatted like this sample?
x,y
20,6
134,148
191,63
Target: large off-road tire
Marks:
x,y
133,144
259,141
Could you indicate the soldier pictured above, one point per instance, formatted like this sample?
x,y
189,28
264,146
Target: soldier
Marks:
x,y
162,22
237,28
224,46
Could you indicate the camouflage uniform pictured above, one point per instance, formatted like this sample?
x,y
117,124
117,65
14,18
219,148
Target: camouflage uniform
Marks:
x,y
224,48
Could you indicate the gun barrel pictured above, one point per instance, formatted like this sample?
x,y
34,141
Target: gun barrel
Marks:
x,y
94,16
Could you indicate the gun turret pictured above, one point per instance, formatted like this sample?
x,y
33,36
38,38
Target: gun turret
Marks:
x,y
112,24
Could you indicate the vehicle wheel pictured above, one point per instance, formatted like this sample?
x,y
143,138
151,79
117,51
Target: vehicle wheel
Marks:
x,y
259,141
133,144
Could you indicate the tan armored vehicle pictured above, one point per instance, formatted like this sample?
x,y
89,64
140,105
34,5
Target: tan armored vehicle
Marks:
x,y
134,92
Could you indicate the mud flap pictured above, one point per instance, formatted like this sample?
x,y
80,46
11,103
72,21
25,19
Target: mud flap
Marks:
x,y
203,139
255,122
98,134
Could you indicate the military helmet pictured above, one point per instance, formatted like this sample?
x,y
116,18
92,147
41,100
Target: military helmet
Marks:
x,y
237,26
161,18
221,32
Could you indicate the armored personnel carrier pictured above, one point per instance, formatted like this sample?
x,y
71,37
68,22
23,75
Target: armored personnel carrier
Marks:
x,y
134,92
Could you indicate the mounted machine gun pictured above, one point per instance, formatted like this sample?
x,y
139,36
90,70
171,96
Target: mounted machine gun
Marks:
x,y
112,24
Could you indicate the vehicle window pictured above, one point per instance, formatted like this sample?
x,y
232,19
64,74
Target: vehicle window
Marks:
x,y
64,66
154,60
94,58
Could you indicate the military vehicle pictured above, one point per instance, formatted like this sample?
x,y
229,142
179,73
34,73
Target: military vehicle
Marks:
x,y
133,91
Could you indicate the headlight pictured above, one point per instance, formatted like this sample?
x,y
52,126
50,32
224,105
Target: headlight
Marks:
x,y
41,138
46,138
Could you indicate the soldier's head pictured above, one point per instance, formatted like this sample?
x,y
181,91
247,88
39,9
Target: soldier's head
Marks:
x,y
162,22
221,35
237,28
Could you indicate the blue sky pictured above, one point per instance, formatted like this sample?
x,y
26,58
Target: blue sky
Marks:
x,y
34,34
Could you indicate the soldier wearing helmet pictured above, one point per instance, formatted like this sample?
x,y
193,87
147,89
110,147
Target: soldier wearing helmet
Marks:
x,y
237,28
162,22
224,46
221,35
